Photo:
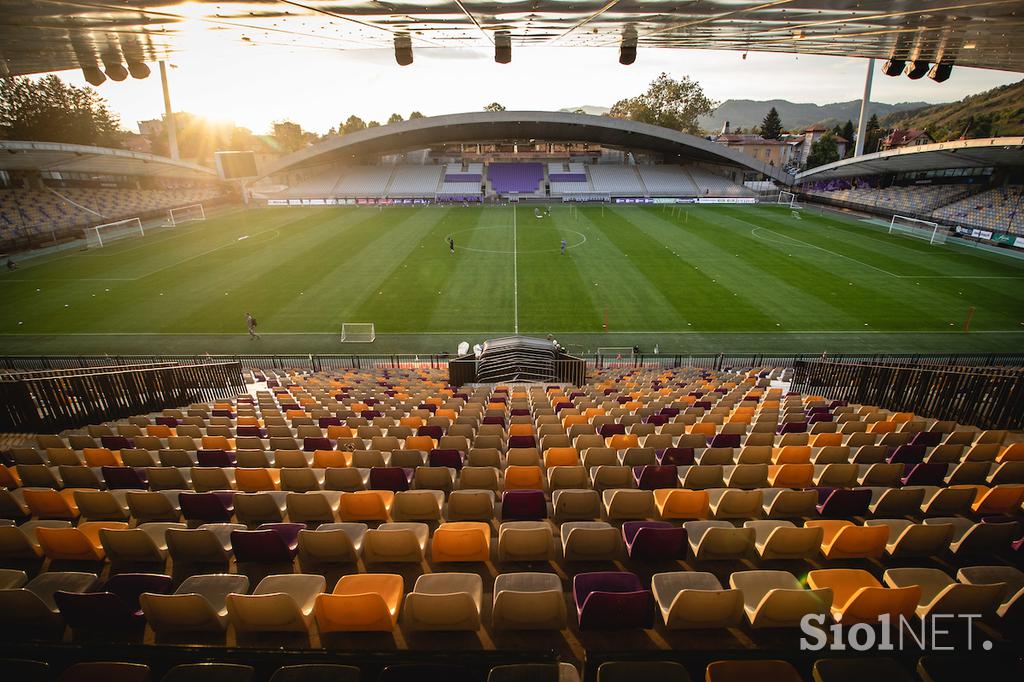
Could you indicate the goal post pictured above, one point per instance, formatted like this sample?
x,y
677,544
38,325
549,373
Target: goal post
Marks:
x,y
99,235
357,332
787,198
616,352
926,230
184,214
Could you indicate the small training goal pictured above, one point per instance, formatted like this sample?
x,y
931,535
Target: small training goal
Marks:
x,y
184,214
788,199
98,236
927,230
615,352
357,332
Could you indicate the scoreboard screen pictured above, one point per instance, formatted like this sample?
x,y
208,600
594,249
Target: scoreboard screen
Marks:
x,y
236,165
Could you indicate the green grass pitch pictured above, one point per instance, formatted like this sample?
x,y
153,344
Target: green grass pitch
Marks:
x,y
712,278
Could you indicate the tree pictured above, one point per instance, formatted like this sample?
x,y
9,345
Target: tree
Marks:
x,y
395,118
669,103
873,135
494,106
415,115
824,150
771,126
50,110
848,133
373,124
288,136
351,125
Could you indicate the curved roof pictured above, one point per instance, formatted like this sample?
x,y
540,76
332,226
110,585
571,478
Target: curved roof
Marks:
x,y
994,151
522,125
78,158
67,34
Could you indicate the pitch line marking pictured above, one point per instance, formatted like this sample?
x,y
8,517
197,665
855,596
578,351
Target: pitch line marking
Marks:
x,y
515,272
568,331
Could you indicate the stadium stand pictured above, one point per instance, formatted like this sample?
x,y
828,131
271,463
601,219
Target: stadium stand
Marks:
x,y
667,181
415,181
1001,208
709,183
616,180
462,180
364,181
515,178
383,472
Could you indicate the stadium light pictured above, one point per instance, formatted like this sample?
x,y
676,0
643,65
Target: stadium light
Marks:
x,y
627,50
917,69
893,67
502,47
93,75
940,72
403,49
115,71
138,69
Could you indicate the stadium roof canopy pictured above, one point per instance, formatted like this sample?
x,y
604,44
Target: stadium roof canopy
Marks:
x,y
521,125
51,35
57,156
996,151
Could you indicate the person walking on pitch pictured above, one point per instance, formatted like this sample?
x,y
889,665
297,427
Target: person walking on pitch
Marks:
x,y
250,322
451,244
563,247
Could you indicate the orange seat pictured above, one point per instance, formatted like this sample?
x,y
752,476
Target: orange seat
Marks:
x,y
792,454
561,457
336,431
623,441
361,602
791,475
461,541
217,443
704,428
159,431
524,478
1014,452
331,459
902,417
999,499
746,670
257,479
858,597
678,503
366,505
824,440
882,427
520,430
101,457
572,419
76,544
45,503
421,443
844,540
9,478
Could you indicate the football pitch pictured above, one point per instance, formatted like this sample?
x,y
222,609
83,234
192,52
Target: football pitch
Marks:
x,y
696,278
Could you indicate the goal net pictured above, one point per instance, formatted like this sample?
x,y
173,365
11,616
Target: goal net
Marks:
x,y
788,199
931,232
616,352
184,214
357,332
96,237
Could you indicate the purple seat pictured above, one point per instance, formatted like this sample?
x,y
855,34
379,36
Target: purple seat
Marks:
x,y
821,409
926,439
313,444
395,479
907,454
658,419
494,419
523,505
793,427
270,543
612,599
724,440
284,407
819,417
435,432
212,507
654,540
223,413
670,411
125,478
215,458
114,607
324,422
522,442
563,405
703,404
445,458
520,412
431,408
609,430
250,431
843,502
371,414
116,442
652,477
676,457
166,421
925,473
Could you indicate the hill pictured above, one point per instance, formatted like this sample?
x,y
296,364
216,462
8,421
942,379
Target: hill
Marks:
x,y
747,113
997,112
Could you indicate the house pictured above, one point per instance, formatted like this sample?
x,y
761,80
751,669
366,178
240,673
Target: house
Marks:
x,y
906,138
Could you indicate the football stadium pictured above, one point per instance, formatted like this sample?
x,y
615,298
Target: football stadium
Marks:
x,y
512,394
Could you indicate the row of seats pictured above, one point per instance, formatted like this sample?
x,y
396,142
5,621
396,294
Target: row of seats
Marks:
x,y
453,601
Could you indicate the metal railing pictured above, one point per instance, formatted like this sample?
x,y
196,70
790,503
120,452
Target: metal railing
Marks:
x,y
990,398
53,403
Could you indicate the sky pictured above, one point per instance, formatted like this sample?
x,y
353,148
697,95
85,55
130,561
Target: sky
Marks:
x,y
255,86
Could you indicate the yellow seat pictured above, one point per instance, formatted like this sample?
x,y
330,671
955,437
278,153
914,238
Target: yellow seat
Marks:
x,y
366,505
561,457
461,541
101,457
524,478
363,602
678,503
257,480
845,540
76,544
